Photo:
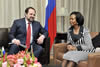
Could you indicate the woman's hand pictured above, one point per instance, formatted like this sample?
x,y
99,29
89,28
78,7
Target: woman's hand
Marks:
x,y
70,47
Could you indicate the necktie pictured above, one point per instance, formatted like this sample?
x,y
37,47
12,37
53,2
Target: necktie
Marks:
x,y
28,37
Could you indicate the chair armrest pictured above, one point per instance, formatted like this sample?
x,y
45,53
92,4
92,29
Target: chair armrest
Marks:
x,y
46,45
59,50
62,47
45,55
94,59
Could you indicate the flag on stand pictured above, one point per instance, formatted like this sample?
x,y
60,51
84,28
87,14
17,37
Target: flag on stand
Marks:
x,y
50,20
3,51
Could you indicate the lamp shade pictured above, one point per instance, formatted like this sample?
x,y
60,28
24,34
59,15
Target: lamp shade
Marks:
x,y
62,11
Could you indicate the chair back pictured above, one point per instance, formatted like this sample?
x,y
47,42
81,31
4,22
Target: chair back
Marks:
x,y
93,34
4,37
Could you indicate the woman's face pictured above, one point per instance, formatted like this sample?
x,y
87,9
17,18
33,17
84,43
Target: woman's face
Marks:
x,y
73,21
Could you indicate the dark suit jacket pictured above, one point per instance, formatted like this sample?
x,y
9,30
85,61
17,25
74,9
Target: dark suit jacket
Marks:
x,y
18,30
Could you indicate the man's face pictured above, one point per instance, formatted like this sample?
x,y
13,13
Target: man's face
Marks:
x,y
30,16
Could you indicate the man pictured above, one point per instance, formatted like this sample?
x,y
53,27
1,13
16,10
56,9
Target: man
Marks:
x,y
26,31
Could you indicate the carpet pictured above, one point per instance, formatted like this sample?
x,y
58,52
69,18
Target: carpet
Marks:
x,y
51,63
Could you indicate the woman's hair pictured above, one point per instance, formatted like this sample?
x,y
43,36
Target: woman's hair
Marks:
x,y
79,18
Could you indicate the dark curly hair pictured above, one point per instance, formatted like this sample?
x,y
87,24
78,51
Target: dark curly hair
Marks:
x,y
79,18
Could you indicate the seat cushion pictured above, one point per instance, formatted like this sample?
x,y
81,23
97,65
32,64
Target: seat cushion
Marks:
x,y
83,64
60,56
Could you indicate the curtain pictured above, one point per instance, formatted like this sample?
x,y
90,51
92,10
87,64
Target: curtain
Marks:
x,y
14,9
89,8
9,10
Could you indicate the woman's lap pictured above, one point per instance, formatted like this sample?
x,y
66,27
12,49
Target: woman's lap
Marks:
x,y
76,56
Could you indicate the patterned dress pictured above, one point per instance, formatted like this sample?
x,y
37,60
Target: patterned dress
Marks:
x,y
83,43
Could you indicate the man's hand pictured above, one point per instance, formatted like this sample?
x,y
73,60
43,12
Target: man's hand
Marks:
x,y
40,39
16,41
70,47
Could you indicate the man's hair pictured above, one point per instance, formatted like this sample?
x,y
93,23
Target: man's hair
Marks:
x,y
79,18
27,9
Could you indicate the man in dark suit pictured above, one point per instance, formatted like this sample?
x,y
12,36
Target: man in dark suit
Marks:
x,y
18,33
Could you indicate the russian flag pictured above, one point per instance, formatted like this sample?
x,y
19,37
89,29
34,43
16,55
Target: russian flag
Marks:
x,y
3,51
50,20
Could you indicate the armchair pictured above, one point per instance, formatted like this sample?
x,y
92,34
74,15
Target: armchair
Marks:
x,y
93,58
45,55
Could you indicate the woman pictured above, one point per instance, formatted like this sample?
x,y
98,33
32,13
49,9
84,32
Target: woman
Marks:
x,y
78,40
